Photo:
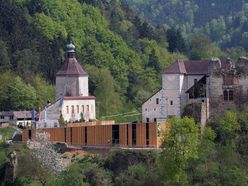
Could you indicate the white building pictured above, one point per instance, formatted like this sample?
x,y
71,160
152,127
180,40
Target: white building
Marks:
x,y
19,118
177,82
72,95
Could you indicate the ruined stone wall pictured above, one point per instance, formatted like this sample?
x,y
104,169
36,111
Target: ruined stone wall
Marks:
x,y
228,77
217,103
243,90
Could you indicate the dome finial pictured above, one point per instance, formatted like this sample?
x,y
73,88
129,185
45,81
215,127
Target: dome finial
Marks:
x,y
70,49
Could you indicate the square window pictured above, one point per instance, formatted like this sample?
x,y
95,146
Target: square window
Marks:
x,y
157,101
171,102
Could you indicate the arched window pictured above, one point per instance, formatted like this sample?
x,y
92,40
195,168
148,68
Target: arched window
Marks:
x,y
67,109
78,109
72,109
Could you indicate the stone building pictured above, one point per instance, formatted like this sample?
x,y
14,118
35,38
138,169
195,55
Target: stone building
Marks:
x,y
213,85
73,101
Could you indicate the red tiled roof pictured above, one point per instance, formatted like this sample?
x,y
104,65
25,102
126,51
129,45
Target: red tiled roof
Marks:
x,y
187,67
176,68
79,97
196,67
71,68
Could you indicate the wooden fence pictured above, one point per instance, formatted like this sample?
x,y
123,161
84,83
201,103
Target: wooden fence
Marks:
x,y
124,135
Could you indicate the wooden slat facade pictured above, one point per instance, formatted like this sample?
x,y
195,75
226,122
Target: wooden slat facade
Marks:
x,y
153,138
102,135
123,135
141,135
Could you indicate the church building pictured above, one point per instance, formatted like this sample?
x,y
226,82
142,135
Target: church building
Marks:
x,y
73,102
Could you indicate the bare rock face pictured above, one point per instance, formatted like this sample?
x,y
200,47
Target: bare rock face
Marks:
x,y
10,168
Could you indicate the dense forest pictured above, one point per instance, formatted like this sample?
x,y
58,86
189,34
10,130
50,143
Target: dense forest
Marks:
x,y
223,21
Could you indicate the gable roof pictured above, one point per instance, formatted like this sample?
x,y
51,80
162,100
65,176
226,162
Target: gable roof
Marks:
x,y
4,113
22,114
176,68
188,67
71,68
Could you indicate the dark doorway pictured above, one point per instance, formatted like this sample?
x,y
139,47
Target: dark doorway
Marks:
x,y
134,134
115,134
29,134
147,134
85,136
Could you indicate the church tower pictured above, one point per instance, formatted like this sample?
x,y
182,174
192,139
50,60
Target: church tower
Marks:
x,y
71,79
72,87
72,95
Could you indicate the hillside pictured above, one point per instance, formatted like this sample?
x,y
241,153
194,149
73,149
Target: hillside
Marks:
x,y
122,54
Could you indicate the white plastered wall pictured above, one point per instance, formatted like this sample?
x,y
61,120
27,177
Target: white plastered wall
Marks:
x,y
83,86
173,86
150,109
78,86
89,114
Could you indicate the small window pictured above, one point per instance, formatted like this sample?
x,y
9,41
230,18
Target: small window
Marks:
x,y
155,119
72,109
157,101
11,117
88,108
147,120
195,81
2,117
82,108
145,109
67,109
78,109
171,102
